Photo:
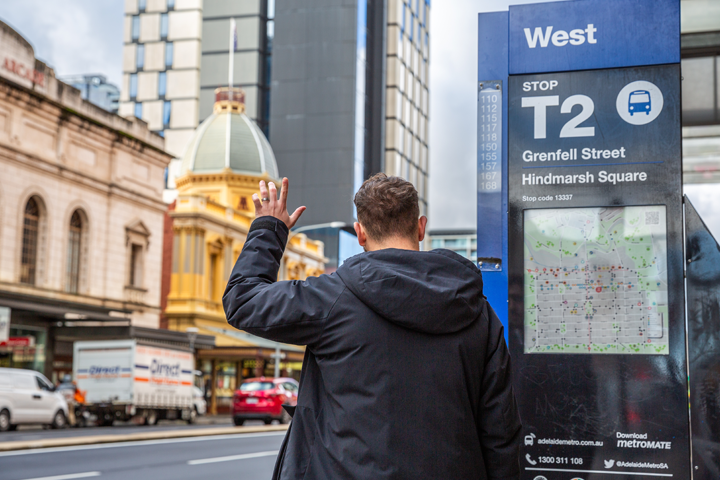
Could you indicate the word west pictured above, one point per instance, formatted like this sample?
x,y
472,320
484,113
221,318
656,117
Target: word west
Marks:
x,y
560,38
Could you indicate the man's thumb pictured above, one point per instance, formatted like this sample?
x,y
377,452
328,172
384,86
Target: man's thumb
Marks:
x,y
296,216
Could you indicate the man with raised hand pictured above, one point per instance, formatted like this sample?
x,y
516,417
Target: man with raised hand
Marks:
x,y
406,373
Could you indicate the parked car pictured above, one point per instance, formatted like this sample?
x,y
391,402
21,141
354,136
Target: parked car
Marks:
x,y
262,399
27,397
199,401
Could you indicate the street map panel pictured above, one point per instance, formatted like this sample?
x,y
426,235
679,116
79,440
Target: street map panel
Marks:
x,y
595,280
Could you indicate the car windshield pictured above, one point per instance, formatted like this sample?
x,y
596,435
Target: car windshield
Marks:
x,y
255,386
640,98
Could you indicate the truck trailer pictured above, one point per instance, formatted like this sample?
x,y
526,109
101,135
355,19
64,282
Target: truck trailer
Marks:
x,y
124,379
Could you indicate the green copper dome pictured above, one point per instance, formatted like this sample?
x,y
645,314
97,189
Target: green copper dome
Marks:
x,y
245,151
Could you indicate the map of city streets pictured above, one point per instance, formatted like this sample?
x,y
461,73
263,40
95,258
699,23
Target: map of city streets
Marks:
x,y
595,280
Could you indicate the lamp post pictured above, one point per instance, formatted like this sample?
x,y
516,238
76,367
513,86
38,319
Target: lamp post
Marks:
x,y
277,356
315,227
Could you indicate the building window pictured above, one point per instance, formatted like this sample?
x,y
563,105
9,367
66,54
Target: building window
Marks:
x,y
142,5
167,108
162,82
74,252
170,4
135,27
31,234
164,26
133,85
211,276
168,55
136,266
700,88
140,58
138,110
137,241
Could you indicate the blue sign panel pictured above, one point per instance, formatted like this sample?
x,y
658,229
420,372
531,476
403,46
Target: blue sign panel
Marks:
x,y
592,34
492,245
490,174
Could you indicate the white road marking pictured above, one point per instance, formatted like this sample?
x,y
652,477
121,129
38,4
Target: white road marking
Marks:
x,y
606,472
68,476
230,458
140,443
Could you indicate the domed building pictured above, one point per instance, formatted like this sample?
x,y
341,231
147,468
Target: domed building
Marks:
x,y
220,171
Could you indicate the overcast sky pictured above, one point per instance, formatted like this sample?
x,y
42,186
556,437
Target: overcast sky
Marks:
x,y
85,36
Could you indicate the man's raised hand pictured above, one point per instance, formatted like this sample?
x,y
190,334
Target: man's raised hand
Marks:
x,y
267,204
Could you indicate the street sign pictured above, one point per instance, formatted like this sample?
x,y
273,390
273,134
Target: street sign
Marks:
x,y
594,255
490,174
589,34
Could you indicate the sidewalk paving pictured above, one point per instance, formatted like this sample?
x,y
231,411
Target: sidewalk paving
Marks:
x,y
133,437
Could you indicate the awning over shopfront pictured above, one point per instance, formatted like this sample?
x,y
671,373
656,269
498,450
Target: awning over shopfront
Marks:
x,y
64,310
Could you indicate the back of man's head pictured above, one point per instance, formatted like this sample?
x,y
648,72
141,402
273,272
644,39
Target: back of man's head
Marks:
x,y
387,207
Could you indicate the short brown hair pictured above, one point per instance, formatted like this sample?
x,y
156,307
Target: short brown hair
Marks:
x,y
388,207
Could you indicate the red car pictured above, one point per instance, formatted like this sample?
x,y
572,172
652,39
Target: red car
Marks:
x,y
262,399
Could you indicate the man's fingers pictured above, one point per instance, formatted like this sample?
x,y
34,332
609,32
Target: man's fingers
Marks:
x,y
256,201
284,193
272,195
296,216
263,190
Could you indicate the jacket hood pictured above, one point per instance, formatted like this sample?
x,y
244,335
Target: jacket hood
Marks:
x,y
433,292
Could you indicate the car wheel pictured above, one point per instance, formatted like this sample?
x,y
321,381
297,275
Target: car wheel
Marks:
x,y
285,418
5,421
268,421
193,416
59,420
238,422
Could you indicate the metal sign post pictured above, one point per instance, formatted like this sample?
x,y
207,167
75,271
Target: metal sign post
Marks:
x,y
595,245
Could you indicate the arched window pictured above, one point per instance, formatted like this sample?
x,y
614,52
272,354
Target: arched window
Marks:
x,y
74,252
31,233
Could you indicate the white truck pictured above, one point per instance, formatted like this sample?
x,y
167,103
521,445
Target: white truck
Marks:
x,y
123,379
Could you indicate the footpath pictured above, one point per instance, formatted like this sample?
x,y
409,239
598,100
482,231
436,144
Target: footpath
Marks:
x,y
135,437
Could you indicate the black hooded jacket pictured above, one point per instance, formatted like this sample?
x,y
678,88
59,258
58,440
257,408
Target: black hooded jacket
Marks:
x,y
406,373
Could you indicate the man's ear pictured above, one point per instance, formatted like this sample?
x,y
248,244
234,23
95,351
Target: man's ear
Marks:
x,y
422,223
361,235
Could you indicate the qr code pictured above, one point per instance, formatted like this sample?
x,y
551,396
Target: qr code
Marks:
x,y
652,218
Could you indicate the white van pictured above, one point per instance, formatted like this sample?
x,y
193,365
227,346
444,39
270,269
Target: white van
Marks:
x,y
27,397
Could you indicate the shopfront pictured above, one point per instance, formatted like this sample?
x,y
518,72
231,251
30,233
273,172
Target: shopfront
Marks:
x,y
225,368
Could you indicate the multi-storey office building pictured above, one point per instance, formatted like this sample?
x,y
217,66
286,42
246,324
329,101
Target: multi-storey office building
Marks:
x,y
462,242
176,54
95,89
349,98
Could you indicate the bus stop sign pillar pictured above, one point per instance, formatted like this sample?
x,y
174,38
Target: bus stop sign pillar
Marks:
x,y
591,160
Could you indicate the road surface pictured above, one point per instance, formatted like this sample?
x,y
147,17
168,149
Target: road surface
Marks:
x,y
29,433
248,456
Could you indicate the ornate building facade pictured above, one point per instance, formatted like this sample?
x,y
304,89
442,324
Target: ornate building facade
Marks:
x,y
82,214
225,160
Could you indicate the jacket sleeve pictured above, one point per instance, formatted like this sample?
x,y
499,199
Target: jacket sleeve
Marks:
x,y
499,425
290,311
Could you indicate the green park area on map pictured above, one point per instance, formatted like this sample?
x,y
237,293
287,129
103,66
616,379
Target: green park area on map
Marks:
x,y
595,280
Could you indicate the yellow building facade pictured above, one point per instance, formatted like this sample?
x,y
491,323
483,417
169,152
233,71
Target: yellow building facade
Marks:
x,y
220,171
